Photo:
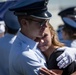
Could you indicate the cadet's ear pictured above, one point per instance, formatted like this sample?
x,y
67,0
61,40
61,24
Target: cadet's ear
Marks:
x,y
24,22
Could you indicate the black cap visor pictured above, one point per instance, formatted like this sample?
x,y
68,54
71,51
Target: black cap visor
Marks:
x,y
40,15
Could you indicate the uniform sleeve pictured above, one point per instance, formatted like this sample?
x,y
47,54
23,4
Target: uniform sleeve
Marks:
x,y
29,64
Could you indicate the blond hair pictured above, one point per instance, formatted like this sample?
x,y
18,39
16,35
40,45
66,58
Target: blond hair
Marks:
x,y
55,40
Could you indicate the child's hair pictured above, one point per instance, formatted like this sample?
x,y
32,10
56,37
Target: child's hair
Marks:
x,y
55,39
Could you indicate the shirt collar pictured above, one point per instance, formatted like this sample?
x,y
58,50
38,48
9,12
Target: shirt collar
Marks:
x,y
27,40
10,35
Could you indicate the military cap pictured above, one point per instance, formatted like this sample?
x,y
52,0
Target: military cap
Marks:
x,y
69,21
34,8
11,20
67,12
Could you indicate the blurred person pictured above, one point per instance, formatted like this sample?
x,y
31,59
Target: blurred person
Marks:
x,y
67,42
65,13
69,25
69,30
2,29
4,5
51,48
25,58
11,28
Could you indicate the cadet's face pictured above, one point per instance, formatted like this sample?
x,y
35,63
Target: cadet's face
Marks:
x,y
36,29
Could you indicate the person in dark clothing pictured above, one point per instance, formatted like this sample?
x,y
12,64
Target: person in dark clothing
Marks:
x,y
52,48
